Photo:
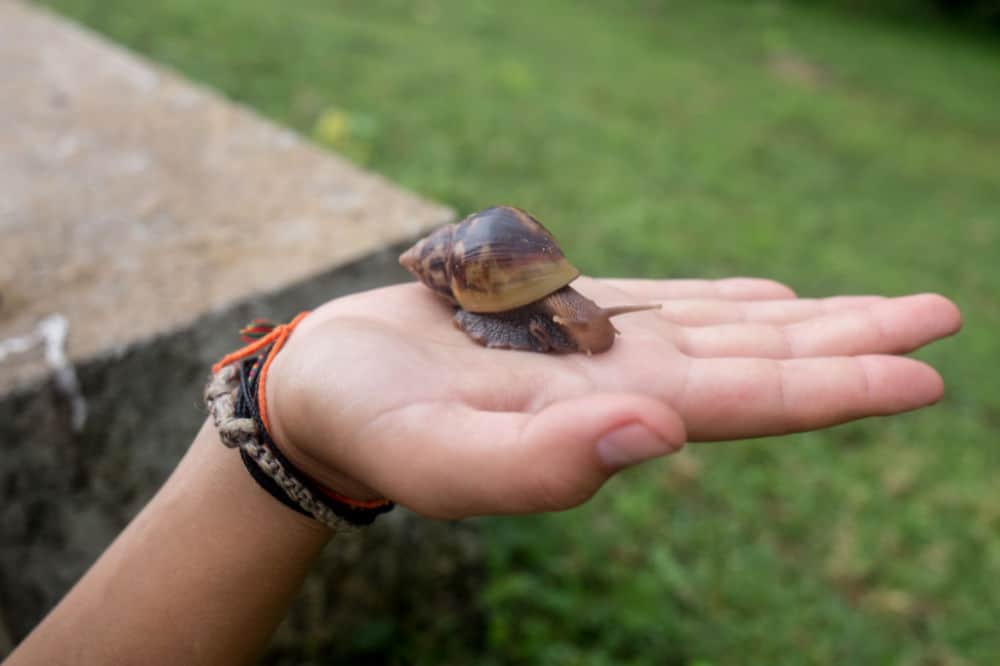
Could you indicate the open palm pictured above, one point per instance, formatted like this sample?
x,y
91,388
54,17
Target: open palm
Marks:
x,y
378,394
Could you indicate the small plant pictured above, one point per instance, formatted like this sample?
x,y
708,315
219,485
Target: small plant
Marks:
x,y
350,133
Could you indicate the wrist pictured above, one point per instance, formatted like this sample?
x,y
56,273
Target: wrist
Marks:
x,y
303,428
238,397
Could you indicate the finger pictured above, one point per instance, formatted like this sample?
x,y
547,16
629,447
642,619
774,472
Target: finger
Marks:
x,y
732,289
892,326
738,398
452,460
709,312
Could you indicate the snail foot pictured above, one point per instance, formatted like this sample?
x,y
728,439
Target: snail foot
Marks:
x,y
516,329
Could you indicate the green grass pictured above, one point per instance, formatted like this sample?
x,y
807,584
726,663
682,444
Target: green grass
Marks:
x,y
701,139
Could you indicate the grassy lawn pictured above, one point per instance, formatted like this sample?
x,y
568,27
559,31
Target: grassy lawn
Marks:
x,y
698,139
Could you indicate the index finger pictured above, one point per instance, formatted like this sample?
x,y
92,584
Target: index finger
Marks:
x,y
739,398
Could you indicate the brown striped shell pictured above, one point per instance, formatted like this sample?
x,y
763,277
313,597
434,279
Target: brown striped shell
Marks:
x,y
494,260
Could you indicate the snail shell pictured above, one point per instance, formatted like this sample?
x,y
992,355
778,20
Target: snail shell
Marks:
x,y
508,276
495,260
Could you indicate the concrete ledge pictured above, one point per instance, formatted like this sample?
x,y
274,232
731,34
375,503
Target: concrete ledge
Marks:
x,y
132,201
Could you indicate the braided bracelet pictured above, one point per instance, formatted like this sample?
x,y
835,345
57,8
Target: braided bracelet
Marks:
x,y
237,400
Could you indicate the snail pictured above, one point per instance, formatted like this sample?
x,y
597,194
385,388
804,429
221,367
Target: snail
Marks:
x,y
509,281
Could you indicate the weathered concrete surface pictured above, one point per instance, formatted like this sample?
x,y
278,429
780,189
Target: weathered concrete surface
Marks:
x,y
133,201
158,218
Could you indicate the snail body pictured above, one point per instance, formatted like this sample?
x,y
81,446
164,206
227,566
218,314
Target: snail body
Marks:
x,y
509,280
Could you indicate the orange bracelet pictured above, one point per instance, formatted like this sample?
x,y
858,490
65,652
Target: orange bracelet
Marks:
x,y
237,400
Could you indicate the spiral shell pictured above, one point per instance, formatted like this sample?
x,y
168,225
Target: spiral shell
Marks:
x,y
494,260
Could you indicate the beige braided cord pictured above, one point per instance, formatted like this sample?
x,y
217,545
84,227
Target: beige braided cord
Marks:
x,y
220,397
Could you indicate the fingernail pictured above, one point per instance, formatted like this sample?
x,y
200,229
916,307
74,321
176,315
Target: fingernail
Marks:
x,y
629,445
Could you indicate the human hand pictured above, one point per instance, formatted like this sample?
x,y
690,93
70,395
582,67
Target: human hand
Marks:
x,y
378,394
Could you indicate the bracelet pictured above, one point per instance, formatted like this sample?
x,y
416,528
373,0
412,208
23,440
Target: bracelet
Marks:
x,y
237,400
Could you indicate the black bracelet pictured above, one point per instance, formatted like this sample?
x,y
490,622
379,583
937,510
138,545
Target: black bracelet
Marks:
x,y
246,407
233,398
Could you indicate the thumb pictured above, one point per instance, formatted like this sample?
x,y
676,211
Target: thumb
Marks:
x,y
573,447
470,462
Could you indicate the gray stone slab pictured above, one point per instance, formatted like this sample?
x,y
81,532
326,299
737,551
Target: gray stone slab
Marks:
x,y
157,218
132,201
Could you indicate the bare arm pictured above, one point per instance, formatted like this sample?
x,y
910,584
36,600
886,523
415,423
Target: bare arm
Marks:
x,y
203,575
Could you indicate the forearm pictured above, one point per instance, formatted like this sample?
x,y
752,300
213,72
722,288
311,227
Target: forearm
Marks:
x,y
203,575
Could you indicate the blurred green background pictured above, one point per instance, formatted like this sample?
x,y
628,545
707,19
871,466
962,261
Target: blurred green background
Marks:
x,y
837,151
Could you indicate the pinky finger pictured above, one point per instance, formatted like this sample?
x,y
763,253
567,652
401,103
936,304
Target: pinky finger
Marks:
x,y
729,289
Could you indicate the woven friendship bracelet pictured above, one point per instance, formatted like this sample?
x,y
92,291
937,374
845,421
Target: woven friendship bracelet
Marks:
x,y
236,399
